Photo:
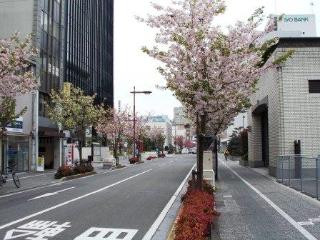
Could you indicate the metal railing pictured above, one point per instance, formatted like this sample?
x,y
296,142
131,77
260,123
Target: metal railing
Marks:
x,y
300,172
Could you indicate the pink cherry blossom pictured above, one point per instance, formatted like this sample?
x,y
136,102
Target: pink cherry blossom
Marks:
x,y
16,74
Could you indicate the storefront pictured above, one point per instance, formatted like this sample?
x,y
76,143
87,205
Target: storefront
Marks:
x,y
16,150
15,147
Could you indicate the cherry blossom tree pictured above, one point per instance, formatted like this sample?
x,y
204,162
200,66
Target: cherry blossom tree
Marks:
x,y
211,71
189,144
179,141
74,111
115,126
16,77
157,135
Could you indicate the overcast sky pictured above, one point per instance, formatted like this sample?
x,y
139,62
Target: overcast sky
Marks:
x,y
134,68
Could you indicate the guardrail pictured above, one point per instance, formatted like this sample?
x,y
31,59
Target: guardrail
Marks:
x,y
300,172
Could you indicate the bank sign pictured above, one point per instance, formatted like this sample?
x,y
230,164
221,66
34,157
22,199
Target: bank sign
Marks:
x,y
292,19
305,25
16,126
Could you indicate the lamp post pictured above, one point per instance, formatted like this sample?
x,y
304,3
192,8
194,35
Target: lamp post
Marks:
x,y
134,92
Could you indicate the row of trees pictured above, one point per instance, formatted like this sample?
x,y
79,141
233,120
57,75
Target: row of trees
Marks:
x,y
181,142
75,111
210,70
70,108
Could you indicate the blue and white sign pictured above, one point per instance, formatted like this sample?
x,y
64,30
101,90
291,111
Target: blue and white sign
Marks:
x,y
303,25
16,126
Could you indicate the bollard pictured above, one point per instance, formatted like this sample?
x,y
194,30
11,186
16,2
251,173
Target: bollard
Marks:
x,y
301,180
317,176
282,160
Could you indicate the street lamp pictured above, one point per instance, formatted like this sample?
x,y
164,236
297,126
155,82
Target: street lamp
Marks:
x,y
134,92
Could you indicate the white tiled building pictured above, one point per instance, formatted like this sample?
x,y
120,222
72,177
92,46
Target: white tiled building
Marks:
x,y
286,106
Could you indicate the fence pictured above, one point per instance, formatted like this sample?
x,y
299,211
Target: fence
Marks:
x,y
300,172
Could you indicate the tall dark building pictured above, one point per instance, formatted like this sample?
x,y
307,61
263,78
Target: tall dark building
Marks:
x,y
89,47
75,42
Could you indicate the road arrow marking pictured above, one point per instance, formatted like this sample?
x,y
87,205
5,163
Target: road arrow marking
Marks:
x,y
16,233
50,194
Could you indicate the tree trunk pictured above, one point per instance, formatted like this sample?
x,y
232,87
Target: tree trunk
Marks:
x,y
216,157
115,152
198,145
1,151
201,129
80,150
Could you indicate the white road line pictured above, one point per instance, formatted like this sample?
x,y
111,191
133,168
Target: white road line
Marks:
x,y
30,190
295,224
60,183
164,212
50,194
70,201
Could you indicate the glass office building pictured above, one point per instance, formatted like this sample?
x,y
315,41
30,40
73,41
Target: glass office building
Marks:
x,y
89,47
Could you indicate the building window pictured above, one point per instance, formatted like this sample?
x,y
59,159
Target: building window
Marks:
x,y
314,86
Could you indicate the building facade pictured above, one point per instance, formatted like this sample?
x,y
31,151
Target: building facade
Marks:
x,y
286,106
89,47
181,125
164,123
75,42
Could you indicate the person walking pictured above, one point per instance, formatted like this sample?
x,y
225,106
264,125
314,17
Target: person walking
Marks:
x,y
226,154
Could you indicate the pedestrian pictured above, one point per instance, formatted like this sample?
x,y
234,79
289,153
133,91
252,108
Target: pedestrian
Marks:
x,y
226,153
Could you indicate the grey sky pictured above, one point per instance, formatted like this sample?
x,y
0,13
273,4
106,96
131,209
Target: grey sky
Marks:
x,y
133,68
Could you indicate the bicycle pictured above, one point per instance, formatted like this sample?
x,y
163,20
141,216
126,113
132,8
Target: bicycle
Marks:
x,y
15,178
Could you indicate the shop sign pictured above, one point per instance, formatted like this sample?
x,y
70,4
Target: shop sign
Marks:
x,y
16,126
40,164
89,132
67,89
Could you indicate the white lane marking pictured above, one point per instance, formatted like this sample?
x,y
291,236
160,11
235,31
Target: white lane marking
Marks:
x,y
302,230
60,183
70,201
30,190
166,209
107,234
307,223
227,196
38,230
51,194
310,222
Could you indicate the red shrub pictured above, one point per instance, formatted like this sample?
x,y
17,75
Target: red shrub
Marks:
x,y
134,160
63,171
196,215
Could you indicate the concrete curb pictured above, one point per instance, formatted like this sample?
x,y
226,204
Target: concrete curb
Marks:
x,y
77,176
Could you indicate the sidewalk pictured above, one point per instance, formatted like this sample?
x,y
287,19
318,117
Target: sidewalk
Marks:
x,y
32,180
29,181
254,206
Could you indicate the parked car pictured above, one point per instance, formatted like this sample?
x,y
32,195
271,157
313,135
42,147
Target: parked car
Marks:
x,y
193,150
185,151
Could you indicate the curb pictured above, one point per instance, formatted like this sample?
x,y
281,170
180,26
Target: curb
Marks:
x,y
77,176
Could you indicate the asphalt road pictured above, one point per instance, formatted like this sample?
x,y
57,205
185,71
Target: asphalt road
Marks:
x,y
122,204
256,207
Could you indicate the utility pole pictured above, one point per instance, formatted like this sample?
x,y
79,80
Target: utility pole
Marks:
x,y
134,116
